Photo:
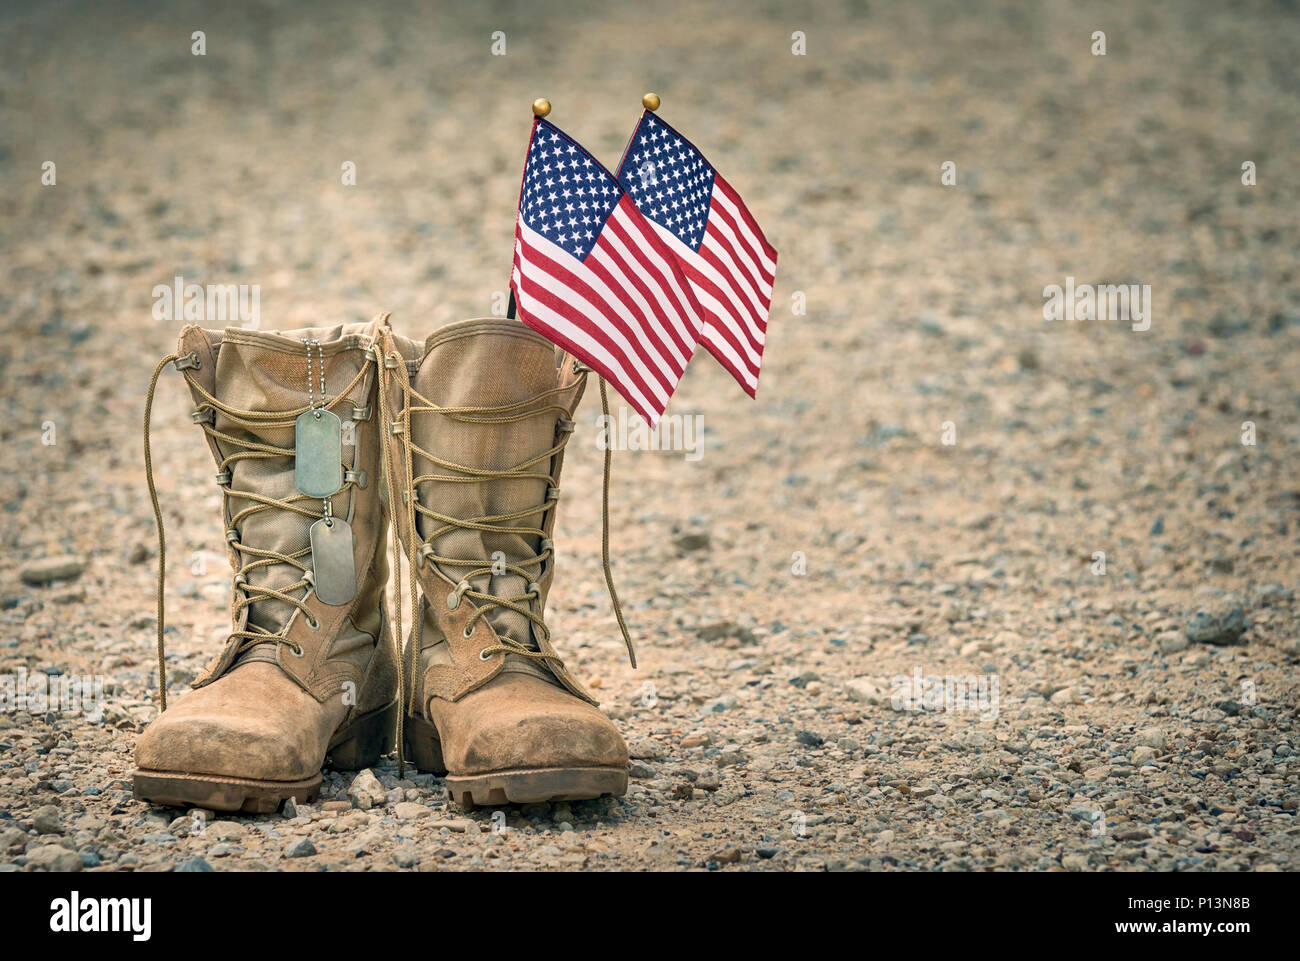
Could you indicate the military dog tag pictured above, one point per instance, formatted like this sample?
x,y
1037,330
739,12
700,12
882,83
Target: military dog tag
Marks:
x,y
318,453
331,561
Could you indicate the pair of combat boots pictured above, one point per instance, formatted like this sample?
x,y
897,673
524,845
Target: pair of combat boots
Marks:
x,y
320,436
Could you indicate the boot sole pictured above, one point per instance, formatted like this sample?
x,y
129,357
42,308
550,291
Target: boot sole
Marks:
x,y
536,785
216,793
360,744
520,786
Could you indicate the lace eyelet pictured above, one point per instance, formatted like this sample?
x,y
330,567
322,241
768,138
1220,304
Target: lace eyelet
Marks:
x,y
484,655
312,623
296,650
468,632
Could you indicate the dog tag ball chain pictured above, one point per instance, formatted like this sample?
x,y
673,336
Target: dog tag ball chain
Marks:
x,y
318,472
317,439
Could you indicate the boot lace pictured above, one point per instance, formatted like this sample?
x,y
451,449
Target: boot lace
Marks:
x,y
246,594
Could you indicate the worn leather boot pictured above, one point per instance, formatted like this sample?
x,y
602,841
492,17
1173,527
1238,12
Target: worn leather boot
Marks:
x,y
479,432
309,669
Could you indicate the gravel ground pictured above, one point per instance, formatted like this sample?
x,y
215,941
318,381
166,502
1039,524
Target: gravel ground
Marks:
x,y
934,480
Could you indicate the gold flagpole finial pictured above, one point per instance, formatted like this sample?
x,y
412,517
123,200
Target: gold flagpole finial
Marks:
x,y
541,107
651,102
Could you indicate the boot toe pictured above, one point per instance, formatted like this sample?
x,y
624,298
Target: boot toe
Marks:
x,y
225,729
522,723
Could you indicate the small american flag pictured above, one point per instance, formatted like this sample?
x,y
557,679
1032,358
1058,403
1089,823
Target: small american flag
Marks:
x,y
593,277
717,242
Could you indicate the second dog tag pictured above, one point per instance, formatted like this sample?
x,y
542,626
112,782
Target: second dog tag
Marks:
x,y
331,561
318,453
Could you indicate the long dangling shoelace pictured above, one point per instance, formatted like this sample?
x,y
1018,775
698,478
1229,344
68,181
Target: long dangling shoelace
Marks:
x,y
246,594
414,402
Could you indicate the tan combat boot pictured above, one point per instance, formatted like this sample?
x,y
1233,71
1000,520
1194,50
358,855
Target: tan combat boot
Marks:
x,y
309,670
479,432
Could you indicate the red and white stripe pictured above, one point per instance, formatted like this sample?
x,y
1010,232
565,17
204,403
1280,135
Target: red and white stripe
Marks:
x,y
626,310
731,276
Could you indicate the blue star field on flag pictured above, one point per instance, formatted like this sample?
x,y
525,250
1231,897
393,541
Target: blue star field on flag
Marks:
x,y
669,179
567,195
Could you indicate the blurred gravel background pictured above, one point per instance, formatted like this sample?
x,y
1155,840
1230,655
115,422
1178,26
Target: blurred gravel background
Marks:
x,y
1146,716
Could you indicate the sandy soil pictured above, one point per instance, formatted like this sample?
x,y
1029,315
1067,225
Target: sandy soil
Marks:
x,y
830,537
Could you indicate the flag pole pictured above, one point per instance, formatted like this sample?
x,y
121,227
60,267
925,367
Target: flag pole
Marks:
x,y
651,103
541,107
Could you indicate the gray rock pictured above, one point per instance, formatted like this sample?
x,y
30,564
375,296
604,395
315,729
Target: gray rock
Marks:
x,y
49,569
730,758
1131,834
647,749
224,831
866,690
194,866
409,810
721,630
1143,755
1150,737
367,842
46,820
365,791
639,769
404,858
301,848
1222,622
1270,593
53,857
691,541
1171,642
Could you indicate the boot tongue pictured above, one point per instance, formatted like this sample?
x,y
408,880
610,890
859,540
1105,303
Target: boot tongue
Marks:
x,y
266,372
487,363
